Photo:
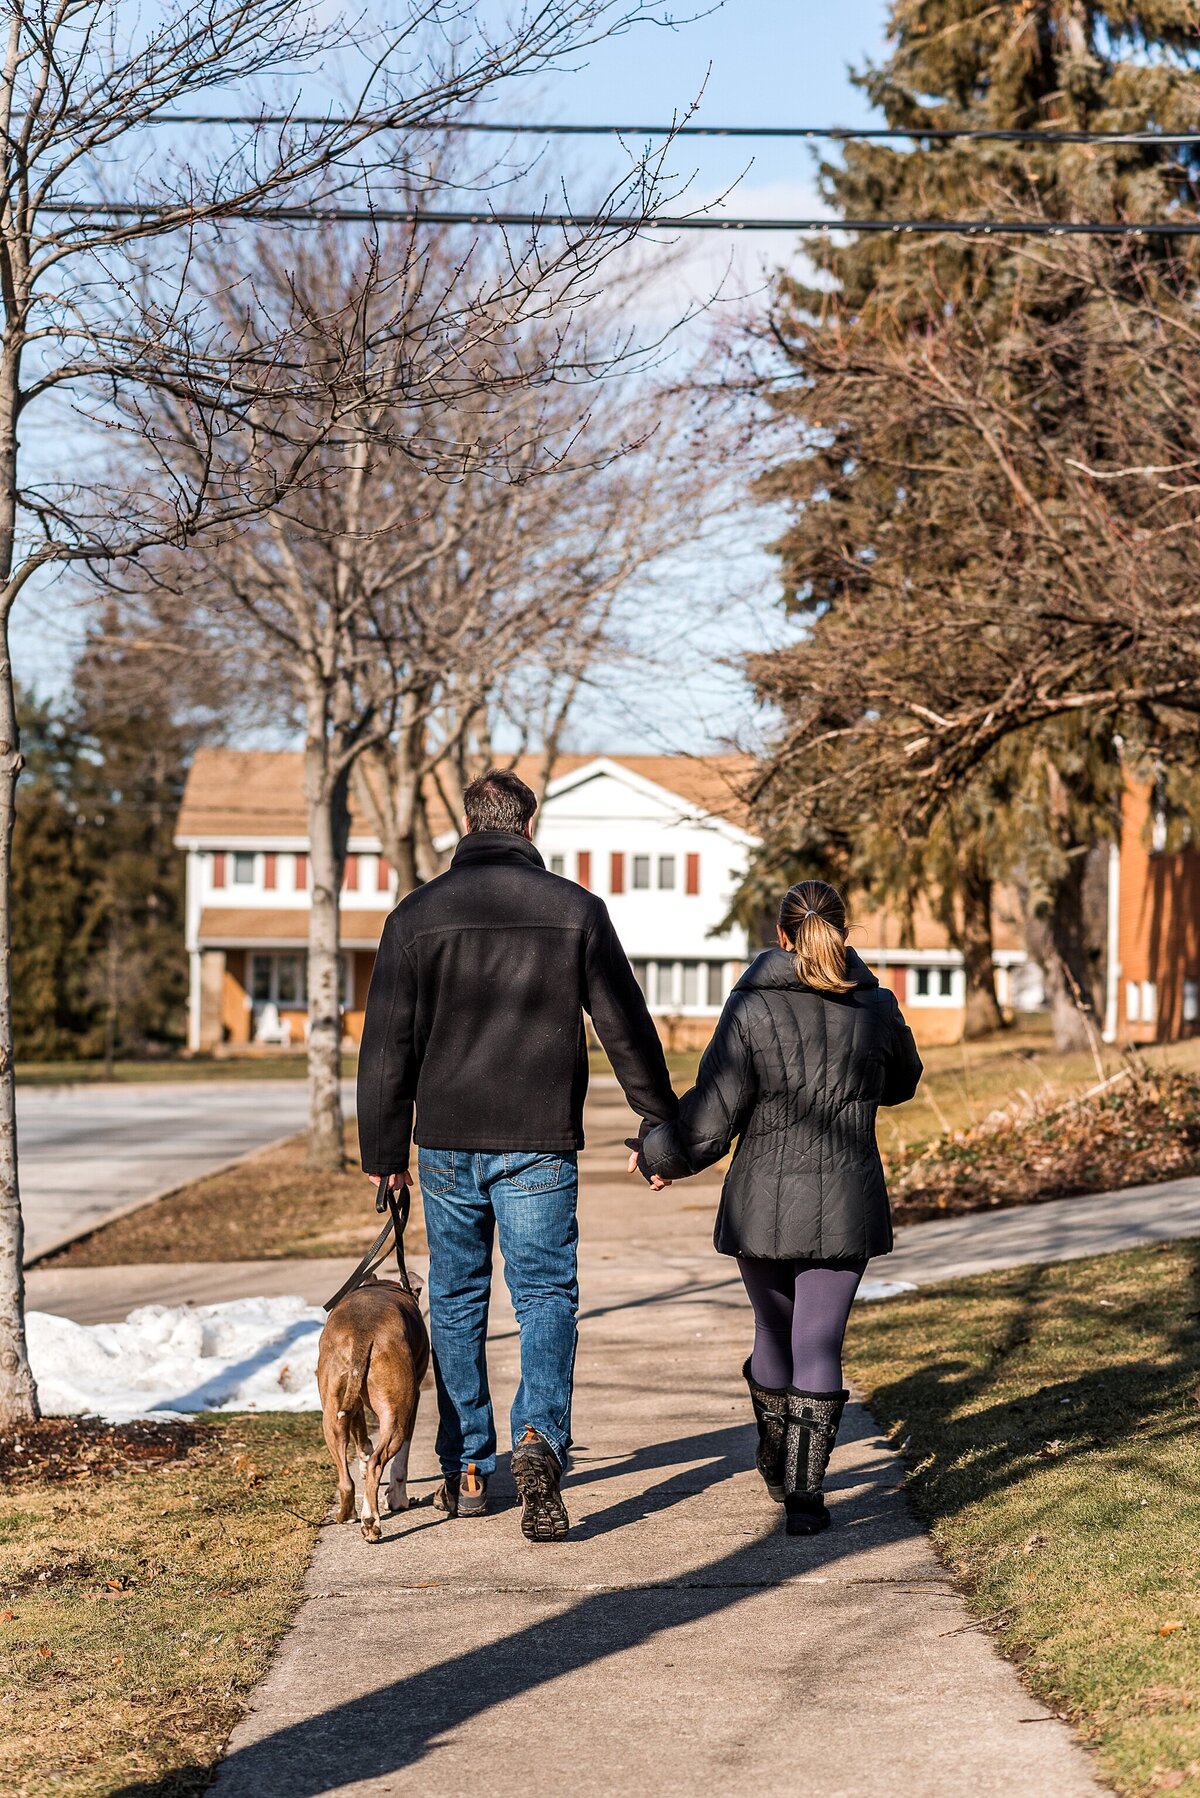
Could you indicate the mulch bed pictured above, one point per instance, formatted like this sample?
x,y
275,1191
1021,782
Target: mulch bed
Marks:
x,y
1136,1129
78,1448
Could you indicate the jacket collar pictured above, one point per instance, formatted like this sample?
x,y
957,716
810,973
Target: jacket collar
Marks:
x,y
495,846
777,968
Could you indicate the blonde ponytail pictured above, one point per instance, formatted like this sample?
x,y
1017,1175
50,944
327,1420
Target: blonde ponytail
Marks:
x,y
813,919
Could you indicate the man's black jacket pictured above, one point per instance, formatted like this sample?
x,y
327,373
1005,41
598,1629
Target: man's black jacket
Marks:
x,y
475,1012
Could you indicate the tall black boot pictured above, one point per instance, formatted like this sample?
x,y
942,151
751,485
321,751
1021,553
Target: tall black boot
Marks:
x,y
812,1427
770,1414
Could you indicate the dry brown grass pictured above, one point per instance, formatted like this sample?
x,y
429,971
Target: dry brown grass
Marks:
x,y
140,1606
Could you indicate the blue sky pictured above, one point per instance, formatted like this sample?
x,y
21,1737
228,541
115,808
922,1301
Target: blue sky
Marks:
x,y
748,62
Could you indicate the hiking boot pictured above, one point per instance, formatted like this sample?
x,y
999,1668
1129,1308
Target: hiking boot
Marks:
x,y
811,1431
770,1414
463,1494
537,1472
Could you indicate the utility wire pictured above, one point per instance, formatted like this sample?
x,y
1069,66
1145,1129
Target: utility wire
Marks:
x,y
393,215
840,133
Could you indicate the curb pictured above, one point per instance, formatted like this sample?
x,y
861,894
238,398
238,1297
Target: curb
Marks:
x,y
83,1231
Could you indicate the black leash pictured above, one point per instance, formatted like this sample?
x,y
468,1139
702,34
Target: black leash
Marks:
x,y
377,1254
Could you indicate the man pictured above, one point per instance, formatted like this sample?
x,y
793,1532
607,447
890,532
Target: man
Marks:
x,y
475,1014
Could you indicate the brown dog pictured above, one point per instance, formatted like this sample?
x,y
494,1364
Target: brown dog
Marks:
x,y
374,1350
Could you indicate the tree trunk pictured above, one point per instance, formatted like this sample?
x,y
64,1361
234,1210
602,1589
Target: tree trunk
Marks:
x,y
18,1394
1056,933
982,1008
328,832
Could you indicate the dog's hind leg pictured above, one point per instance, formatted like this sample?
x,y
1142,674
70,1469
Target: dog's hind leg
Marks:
x,y
337,1440
397,1489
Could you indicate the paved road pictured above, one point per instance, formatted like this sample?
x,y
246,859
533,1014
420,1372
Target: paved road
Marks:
x,y
678,1642
88,1151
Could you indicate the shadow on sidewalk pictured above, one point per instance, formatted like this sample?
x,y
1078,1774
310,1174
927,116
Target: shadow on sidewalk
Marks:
x,y
384,1731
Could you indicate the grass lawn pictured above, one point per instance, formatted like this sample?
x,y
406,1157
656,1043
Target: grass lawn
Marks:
x,y
138,1608
268,1207
1050,1420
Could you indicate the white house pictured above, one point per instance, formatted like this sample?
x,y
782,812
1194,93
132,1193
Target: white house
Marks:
x,y
663,839
658,837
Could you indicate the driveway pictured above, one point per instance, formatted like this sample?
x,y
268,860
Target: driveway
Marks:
x,y
89,1151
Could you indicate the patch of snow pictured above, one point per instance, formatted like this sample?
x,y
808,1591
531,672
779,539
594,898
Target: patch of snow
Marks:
x,y
883,1289
167,1360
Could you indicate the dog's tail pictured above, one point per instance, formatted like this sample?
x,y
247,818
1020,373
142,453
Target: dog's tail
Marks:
x,y
351,1387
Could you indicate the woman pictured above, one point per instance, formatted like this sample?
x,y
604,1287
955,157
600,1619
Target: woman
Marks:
x,y
807,1049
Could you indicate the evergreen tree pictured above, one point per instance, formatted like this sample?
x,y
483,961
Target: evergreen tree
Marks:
x,y
915,525
50,1011
129,788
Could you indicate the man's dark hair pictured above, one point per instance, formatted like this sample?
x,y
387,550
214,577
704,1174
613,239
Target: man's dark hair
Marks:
x,y
499,800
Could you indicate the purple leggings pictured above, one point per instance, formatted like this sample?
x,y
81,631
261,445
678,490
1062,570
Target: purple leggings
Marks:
x,y
800,1313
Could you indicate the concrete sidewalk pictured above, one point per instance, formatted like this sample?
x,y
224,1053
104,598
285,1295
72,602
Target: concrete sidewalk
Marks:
x,y
678,1642
950,1248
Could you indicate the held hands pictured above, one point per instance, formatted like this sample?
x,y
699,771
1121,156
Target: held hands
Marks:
x,y
656,1180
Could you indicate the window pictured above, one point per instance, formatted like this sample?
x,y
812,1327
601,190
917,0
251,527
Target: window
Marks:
x,y
691,881
218,868
641,973
289,977
641,873
716,983
934,983
260,978
558,864
664,985
243,869
691,983
1191,1001
583,868
1149,1001
1133,1002
616,872
666,873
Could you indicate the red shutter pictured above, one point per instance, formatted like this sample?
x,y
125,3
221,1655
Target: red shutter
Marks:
x,y
900,984
583,868
616,882
350,878
692,878
301,871
269,871
218,867
382,875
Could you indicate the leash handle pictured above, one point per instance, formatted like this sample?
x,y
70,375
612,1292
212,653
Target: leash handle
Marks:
x,y
376,1255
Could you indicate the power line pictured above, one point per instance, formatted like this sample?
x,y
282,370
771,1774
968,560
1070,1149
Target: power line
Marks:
x,y
392,215
839,133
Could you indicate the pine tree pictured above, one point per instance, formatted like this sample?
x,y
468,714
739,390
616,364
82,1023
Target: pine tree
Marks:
x,y
49,1006
907,520
128,789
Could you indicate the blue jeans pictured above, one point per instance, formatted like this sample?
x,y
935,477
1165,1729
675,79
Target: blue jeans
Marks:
x,y
530,1198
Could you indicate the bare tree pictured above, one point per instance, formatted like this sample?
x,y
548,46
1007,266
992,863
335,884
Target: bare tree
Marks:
x,y
445,404
100,316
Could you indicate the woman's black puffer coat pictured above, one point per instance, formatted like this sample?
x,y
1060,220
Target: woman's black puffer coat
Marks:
x,y
797,1077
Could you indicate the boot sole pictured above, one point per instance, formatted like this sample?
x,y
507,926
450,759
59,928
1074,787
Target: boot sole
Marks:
x,y
545,1521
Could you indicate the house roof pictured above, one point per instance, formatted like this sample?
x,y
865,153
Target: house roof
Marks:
x,y
236,926
256,793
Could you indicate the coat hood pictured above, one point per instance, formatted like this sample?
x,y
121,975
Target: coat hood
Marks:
x,y
776,968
